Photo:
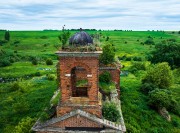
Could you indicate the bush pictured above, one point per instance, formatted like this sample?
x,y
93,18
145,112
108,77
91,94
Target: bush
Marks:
x,y
142,43
4,62
133,70
45,45
159,98
105,77
64,36
172,40
15,86
49,61
159,75
136,58
15,51
147,87
166,52
107,57
37,74
137,66
149,41
18,86
34,61
43,37
110,111
122,58
51,76
16,42
128,59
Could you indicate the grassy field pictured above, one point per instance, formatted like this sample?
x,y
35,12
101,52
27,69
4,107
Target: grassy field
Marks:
x,y
34,93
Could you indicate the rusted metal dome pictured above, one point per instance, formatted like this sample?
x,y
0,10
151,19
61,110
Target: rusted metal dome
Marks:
x,y
81,38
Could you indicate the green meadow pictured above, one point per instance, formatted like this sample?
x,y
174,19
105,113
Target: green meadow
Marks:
x,y
26,89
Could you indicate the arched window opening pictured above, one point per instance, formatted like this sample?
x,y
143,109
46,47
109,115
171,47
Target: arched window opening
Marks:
x,y
79,82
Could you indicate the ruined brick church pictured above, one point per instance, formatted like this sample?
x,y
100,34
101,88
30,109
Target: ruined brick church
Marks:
x,y
80,107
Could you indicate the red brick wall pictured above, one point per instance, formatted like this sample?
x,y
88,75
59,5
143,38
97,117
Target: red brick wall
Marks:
x,y
115,73
81,74
76,121
91,66
95,110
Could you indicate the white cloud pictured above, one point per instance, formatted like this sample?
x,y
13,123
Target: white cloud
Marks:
x,y
100,14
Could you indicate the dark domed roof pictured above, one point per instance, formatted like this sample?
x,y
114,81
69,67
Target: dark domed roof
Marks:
x,y
81,38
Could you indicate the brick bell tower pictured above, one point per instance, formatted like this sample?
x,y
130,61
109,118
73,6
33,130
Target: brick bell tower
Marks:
x,y
79,82
80,107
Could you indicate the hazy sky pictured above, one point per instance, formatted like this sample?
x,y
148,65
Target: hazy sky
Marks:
x,y
99,14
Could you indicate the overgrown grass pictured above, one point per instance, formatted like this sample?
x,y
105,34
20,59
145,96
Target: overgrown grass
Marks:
x,y
32,101
20,69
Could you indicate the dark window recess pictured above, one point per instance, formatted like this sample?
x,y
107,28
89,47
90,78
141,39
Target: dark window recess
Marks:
x,y
79,82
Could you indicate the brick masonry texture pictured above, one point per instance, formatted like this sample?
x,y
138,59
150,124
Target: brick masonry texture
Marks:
x,y
76,121
67,103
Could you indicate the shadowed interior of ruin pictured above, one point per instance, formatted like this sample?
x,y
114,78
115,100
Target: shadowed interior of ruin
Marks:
x,y
79,82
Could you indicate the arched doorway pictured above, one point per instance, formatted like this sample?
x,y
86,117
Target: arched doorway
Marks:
x,y
79,82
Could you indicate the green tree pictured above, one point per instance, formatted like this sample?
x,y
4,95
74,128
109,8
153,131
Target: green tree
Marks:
x,y
49,61
107,38
107,57
105,77
160,75
136,66
159,98
34,61
64,36
7,36
166,51
4,62
149,41
110,111
24,126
